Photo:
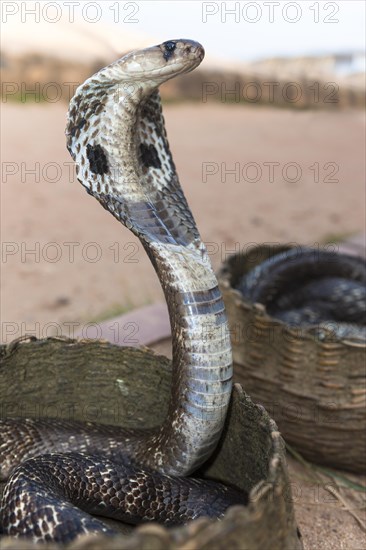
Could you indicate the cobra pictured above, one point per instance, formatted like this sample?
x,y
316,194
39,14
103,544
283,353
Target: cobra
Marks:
x,y
116,136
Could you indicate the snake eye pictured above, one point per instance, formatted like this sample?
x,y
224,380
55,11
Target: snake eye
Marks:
x,y
169,49
170,46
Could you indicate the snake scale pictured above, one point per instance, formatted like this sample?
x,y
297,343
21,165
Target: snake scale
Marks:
x,y
61,472
306,287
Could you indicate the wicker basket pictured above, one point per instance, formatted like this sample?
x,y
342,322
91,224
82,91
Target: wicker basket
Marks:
x,y
313,387
101,382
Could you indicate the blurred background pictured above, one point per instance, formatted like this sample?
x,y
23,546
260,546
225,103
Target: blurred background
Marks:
x,y
267,135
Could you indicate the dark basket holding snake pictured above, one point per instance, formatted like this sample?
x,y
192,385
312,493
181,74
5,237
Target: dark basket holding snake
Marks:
x,y
148,429
132,391
297,324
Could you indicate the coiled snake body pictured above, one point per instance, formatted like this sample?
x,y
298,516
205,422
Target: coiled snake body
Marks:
x,y
116,135
306,287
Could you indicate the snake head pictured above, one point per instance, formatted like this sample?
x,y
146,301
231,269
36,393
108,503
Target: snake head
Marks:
x,y
162,62
116,136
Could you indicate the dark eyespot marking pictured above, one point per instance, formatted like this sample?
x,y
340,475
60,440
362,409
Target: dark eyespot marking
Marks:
x,y
149,156
97,159
78,126
169,48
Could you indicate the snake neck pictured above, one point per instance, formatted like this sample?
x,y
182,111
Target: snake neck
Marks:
x,y
202,361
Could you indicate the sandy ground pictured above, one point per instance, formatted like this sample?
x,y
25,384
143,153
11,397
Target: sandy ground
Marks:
x,y
298,176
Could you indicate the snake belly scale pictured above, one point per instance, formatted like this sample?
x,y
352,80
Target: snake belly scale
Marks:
x,y
116,136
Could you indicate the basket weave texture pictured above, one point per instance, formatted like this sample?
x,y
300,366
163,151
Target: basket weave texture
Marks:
x,y
314,387
97,381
